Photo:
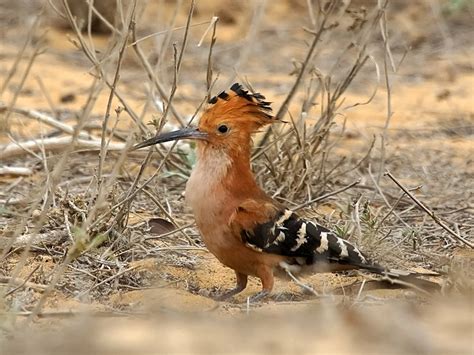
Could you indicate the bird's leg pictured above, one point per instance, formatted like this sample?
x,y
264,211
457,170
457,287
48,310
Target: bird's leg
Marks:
x,y
266,276
240,285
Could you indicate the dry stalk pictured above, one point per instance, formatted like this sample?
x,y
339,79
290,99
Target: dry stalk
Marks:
x,y
249,41
387,55
382,194
46,119
125,203
120,273
42,194
69,314
15,170
286,103
11,150
209,57
11,73
154,78
168,215
53,179
133,190
163,50
92,9
35,201
37,50
98,66
22,283
170,30
298,162
305,287
429,212
323,197
103,148
47,96
101,192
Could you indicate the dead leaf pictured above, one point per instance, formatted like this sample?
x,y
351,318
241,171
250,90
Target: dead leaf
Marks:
x,y
159,226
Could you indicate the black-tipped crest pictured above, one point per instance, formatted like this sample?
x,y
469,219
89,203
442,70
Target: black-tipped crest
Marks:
x,y
223,95
238,89
213,100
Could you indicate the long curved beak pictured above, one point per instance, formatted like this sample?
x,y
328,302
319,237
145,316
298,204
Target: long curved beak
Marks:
x,y
185,133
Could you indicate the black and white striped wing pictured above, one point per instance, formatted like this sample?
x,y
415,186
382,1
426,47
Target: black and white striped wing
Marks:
x,y
288,235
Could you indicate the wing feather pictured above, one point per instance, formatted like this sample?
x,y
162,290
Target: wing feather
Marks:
x,y
266,228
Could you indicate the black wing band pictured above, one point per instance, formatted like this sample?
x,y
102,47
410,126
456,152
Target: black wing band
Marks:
x,y
289,235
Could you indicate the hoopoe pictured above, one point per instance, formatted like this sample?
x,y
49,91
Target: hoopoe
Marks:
x,y
240,224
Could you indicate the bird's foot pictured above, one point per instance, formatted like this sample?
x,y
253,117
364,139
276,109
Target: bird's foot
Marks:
x,y
222,296
259,296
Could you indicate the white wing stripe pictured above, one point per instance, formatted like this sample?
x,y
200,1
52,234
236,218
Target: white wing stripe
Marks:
x,y
344,251
324,243
280,238
283,218
301,237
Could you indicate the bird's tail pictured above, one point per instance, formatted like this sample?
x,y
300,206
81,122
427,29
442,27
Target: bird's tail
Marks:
x,y
404,278
340,251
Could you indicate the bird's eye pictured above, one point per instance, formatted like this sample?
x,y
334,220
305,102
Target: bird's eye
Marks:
x,y
223,128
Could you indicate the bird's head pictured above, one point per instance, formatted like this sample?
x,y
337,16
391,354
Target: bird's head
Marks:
x,y
227,124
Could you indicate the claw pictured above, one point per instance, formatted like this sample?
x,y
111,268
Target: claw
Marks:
x,y
239,287
228,294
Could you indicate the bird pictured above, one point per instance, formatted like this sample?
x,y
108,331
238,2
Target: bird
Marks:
x,y
242,226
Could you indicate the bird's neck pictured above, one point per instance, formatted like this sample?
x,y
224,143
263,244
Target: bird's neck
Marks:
x,y
231,169
218,185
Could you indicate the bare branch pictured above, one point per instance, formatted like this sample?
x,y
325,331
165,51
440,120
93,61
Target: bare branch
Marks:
x,y
429,211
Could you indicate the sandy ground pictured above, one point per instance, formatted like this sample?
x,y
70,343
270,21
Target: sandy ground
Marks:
x,y
430,142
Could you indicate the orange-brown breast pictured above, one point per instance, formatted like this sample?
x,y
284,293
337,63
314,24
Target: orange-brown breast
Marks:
x,y
214,191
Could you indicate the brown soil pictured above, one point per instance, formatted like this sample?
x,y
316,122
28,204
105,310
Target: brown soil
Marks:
x,y
163,304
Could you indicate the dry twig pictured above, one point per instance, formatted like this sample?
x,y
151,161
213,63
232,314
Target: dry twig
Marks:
x,y
429,211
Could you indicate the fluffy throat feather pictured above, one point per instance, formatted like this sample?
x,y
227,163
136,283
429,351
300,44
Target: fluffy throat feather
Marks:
x,y
213,164
219,157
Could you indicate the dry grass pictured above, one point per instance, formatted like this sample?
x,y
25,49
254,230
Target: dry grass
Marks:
x,y
79,228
